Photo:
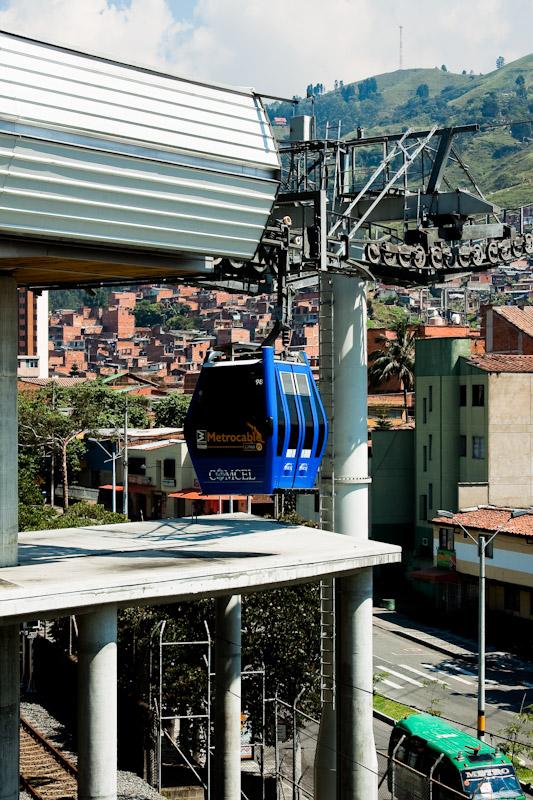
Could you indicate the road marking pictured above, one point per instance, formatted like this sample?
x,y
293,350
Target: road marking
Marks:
x,y
391,683
399,675
466,672
460,669
432,668
423,674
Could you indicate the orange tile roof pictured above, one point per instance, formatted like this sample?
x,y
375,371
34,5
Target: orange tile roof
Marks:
x,y
491,519
502,362
521,318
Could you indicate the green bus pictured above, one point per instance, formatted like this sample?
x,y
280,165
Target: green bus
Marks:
x,y
425,750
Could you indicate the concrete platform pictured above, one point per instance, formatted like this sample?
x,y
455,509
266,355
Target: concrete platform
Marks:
x,y
75,569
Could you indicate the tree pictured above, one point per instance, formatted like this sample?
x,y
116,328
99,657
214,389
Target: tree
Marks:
x,y
490,107
55,420
148,314
396,359
444,68
170,412
521,90
422,91
500,62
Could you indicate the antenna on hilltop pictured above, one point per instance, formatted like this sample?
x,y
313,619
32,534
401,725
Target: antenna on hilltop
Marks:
x,y
401,46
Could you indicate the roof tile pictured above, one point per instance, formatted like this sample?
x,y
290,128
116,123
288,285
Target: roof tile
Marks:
x,y
491,519
502,362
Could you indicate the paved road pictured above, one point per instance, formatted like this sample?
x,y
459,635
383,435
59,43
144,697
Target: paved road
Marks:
x,y
409,666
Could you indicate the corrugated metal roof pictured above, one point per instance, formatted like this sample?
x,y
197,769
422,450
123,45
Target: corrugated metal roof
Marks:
x,y
101,153
156,445
45,85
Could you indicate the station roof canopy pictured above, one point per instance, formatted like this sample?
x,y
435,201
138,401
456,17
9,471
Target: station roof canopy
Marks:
x,y
73,570
111,172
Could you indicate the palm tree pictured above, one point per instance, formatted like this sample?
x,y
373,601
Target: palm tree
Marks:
x,y
396,359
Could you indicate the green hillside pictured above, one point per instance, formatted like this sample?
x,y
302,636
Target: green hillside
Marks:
x,y
500,156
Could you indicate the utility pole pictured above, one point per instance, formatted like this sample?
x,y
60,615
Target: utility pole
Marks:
x,y
125,465
482,541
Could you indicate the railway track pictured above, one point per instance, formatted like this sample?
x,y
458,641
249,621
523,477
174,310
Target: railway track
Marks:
x,y
45,773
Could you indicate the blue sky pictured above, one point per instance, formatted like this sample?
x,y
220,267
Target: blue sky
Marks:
x,y
280,46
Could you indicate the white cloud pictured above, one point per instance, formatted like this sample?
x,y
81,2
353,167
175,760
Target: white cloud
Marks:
x,y
282,45
137,32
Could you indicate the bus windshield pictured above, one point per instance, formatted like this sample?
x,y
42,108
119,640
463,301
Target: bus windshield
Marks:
x,y
491,783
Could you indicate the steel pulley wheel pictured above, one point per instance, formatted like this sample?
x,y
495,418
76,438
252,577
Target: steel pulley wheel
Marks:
x,y
418,257
448,257
476,256
463,257
436,257
492,252
528,243
404,256
517,247
372,253
389,258
504,249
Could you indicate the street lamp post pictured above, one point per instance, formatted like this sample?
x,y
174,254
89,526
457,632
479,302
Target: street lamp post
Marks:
x,y
113,456
482,541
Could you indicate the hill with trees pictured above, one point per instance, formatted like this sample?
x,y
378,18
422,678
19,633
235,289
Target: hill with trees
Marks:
x,y
501,155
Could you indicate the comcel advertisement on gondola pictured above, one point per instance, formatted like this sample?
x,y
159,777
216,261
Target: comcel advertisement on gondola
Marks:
x,y
256,424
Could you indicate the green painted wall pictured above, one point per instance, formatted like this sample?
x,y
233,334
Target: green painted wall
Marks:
x,y
391,490
437,376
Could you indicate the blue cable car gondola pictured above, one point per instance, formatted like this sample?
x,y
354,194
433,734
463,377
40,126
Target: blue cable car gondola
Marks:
x,y
256,425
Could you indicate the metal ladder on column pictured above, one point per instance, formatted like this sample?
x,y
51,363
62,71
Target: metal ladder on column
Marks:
x,y
327,491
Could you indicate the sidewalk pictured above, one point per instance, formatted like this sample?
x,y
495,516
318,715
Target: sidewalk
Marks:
x,y
438,639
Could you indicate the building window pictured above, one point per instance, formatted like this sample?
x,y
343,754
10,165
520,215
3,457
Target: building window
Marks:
x,y
462,395
136,466
430,446
511,598
478,447
446,539
424,410
462,445
169,468
430,496
478,394
423,507
430,398
489,549
425,458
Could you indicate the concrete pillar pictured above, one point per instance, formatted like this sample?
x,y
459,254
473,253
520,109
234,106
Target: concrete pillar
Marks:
x,y
97,705
356,753
357,764
9,634
9,712
227,772
8,422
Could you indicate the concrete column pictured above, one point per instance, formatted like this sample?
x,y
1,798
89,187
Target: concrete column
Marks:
x,y
9,712
97,705
8,422
356,753
227,772
9,635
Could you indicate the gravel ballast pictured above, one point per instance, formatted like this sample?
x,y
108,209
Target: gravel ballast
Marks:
x,y
130,786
